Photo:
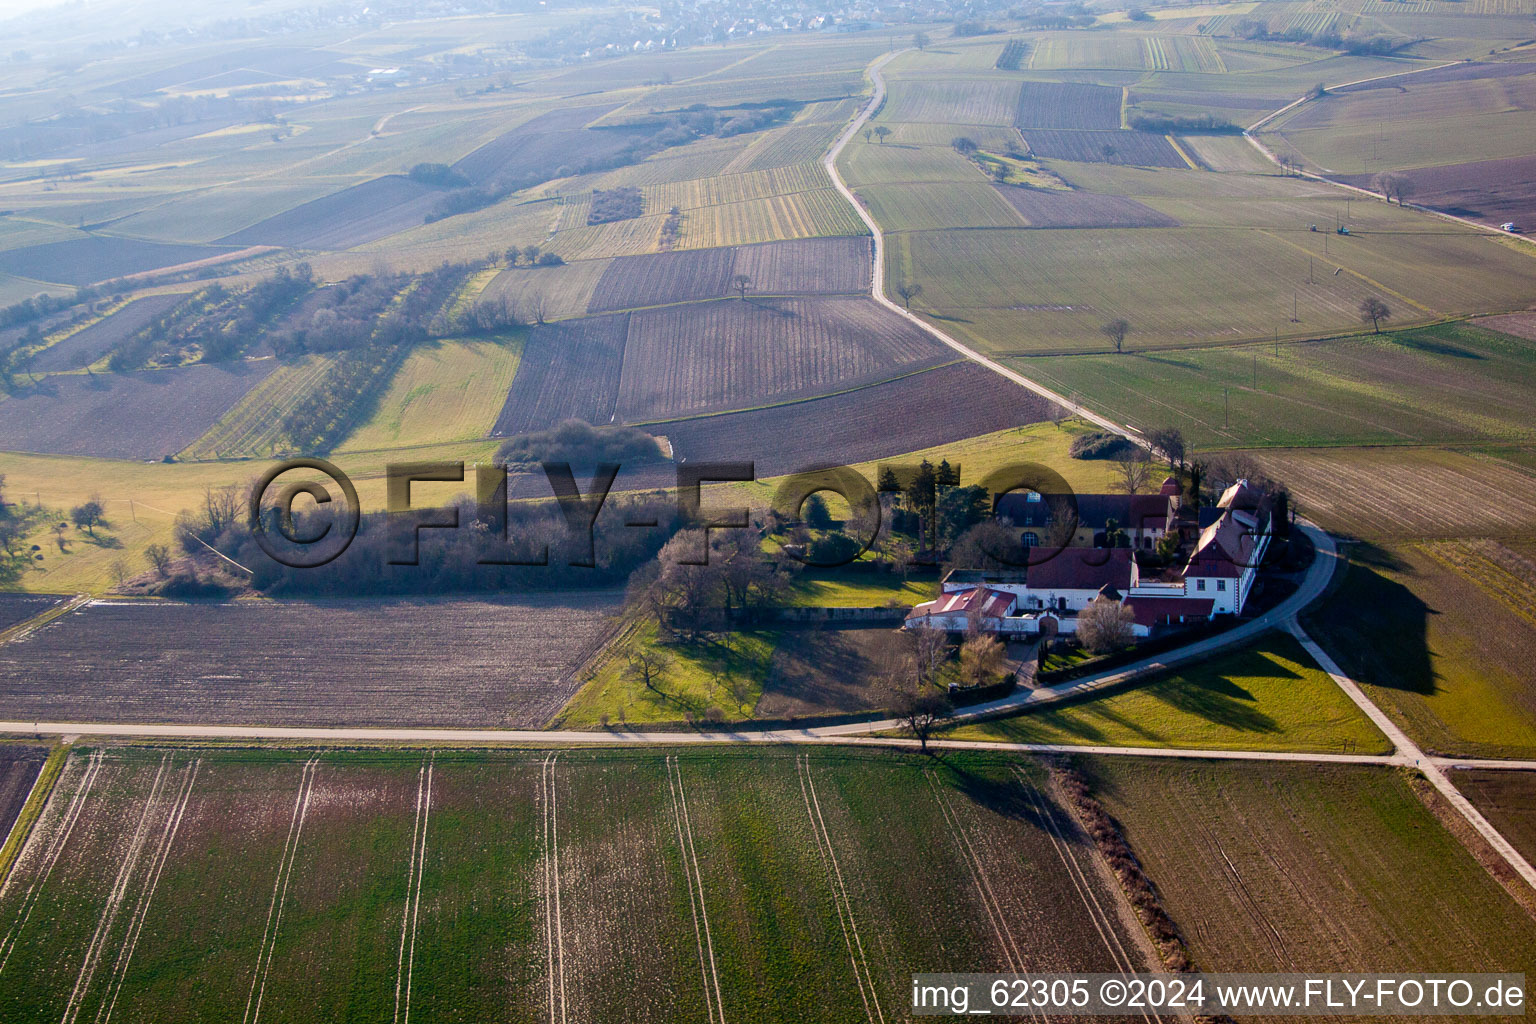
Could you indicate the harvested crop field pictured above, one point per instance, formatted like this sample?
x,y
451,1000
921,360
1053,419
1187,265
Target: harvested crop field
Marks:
x,y
99,258
19,767
632,281
735,354
1068,105
1060,209
919,411
351,217
679,361
1521,325
97,340
543,144
1463,72
806,266
1131,149
646,886
493,663
18,608
1396,493
1270,867
1508,800
1490,191
569,369
144,415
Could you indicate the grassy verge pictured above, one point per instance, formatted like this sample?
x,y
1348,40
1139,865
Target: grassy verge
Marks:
x,y
1269,696
32,809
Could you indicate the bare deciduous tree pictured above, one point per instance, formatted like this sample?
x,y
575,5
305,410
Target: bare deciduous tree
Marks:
x,y
929,649
922,714
647,666
159,558
908,291
882,133
1132,470
1115,331
1105,626
981,658
741,282
1374,311
1392,186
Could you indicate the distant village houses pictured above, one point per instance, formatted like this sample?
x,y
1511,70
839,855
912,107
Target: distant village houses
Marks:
x,y
1214,558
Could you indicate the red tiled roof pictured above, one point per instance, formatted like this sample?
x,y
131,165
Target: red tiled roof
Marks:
x,y
1083,569
1150,611
986,602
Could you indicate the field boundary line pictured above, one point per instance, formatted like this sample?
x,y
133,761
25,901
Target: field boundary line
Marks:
x,y
31,812
554,931
1102,922
421,868
412,891
26,627
1091,903
151,884
1268,154
265,952
713,1009
51,858
115,897
840,899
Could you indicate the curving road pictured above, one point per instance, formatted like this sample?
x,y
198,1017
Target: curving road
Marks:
x,y
877,287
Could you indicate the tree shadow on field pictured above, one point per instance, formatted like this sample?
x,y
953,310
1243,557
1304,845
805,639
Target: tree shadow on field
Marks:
x,y
1182,364
1435,346
950,319
1376,626
1006,797
1220,701
773,308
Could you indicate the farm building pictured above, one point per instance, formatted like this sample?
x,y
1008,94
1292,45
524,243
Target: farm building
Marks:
x,y
1214,577
1144,518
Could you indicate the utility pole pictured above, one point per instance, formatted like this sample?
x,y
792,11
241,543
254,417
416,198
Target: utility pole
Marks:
x,y
1309,268
1295,306
1255,371
1226,404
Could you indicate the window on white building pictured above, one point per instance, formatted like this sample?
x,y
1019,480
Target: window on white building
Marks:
x,y
1199,584
1221,584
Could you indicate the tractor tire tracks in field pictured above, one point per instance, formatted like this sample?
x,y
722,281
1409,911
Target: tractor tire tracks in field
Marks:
x,y
554,926
50,857
115,897
1103,922
406,962
714,1006
280,892
151,884
990,903
840,897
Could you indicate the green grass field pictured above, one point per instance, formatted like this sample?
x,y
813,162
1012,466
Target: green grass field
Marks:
x,y
449,390
1270,867
647,886
1269,696
1446,384
1436,647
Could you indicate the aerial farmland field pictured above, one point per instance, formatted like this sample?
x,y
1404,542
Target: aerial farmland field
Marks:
x,y
1268,867
1250,256
239,662
766,887
125,416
